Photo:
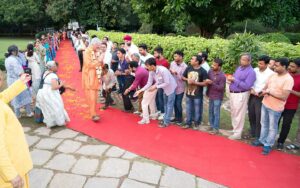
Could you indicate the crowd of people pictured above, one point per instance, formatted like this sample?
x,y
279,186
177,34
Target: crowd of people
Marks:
x,y
268,93
43,91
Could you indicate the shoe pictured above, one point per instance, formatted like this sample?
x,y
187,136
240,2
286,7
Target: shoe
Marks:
x,y
256,143
161,122
214,131
128,111
292,147
163,126
96,118
210,129
179,123
266,150
280,146
234,137
30,115
174,120
161,117
154,116
136,112
195,127
143,121
185,126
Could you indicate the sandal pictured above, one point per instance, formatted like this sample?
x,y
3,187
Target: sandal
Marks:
x,y
292,146
95,118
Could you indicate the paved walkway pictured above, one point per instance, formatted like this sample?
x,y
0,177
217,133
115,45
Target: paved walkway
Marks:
x,y
67,159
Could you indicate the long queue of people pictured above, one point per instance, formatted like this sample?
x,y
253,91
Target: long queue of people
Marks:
x,y
269,92
24,79
44,89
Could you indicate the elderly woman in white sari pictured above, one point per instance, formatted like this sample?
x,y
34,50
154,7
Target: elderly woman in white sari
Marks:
x,y
49,99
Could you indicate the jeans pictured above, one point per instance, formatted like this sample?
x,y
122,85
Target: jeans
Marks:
x,y
193,106
126,98
254,112
27,108
287,116
169,105
107,96
121,82
269,126
160,100
178,107
201,111
214,113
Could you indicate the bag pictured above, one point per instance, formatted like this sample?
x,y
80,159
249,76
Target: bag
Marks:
x,y
62,90
42,81
38,115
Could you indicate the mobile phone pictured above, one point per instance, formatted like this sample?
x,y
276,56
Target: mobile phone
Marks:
x,y
27,71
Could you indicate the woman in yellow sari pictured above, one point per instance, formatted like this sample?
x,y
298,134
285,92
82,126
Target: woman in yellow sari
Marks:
x,y
92,63
15,160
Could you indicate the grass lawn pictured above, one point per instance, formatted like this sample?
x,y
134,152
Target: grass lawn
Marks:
x,y
5,42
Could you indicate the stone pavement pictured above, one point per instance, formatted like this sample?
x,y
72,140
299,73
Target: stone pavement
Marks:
x,y
67,159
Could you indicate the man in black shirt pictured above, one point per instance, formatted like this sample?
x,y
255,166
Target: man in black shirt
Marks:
x,y
195,77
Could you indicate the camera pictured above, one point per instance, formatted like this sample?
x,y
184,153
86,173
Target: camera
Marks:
x,y
27,71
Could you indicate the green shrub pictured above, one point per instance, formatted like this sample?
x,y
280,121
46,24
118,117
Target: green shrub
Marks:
x,y
253,26
2,66
294,37
217,47
240,44
274,37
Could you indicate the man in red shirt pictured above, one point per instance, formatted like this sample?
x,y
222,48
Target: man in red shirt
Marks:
x,y
160,60
291,105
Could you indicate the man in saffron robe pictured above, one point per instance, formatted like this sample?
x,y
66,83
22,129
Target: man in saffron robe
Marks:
x,y
93,61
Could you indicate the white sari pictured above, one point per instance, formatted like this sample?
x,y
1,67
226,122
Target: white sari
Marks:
x,y
51,104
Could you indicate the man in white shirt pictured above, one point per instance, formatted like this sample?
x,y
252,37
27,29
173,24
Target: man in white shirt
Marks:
x,y
144,55
108,42
263,73
81,46
109,80
160,77
130,48
107,55
206,67
204,63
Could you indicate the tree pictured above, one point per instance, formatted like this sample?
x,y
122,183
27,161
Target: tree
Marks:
x,y
61,10
19,11
281,14
21,14
208,15
111,14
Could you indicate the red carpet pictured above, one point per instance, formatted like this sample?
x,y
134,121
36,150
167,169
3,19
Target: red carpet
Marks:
x,y
214,158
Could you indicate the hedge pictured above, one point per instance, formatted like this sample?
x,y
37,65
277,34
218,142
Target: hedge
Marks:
x,y
274,37
216,47
294,37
